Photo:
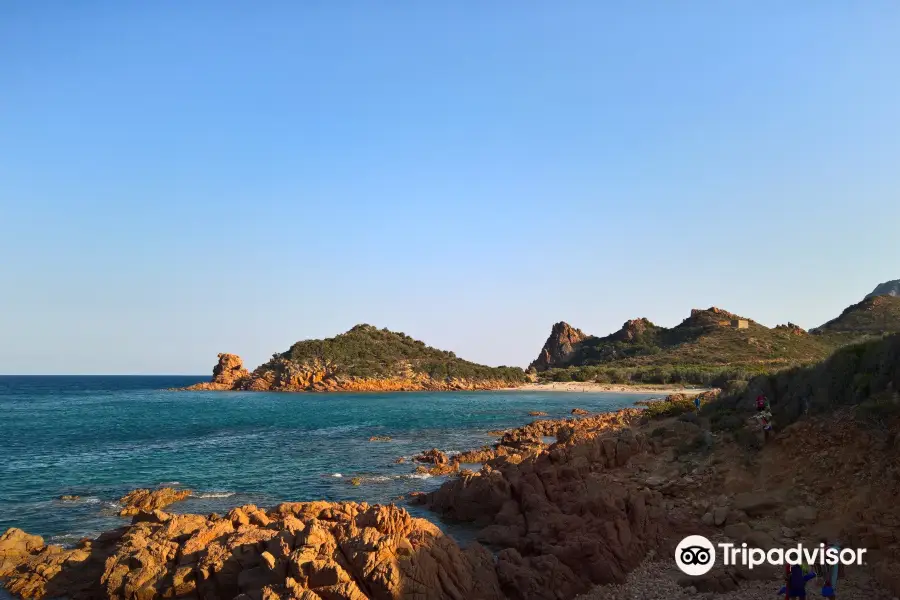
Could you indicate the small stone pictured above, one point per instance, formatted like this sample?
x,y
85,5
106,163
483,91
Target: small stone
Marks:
x,y
720,515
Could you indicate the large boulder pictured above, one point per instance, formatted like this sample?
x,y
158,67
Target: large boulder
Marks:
x,y
757,504
229,370
144,500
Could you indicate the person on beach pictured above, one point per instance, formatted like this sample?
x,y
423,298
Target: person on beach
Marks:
x,y
796,587
697,403
762,404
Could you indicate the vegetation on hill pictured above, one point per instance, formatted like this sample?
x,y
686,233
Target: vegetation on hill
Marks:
x,y
707,348
876,315
368,352
862,377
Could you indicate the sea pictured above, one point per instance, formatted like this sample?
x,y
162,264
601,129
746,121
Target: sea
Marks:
x,y
98,437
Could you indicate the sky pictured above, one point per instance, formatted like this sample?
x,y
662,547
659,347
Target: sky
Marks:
x,y
179,179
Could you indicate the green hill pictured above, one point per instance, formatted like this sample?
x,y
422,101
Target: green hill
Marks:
x,y
876,315
864,377
368,358
711,346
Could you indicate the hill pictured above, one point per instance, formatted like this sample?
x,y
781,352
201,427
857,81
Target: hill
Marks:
x,y
888,288
875,315
364,358
710,346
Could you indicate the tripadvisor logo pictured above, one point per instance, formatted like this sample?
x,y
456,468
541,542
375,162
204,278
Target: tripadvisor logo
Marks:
x,y
695,555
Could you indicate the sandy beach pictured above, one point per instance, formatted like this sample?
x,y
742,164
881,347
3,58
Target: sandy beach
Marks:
x,y
578,386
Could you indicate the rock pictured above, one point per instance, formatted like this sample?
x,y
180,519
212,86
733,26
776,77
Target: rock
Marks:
x,y
147,501
340,551
757,503
564,434
433,456
580,411
69,498
760,539
708,519
788,532
536,413
228,374
564,521
720,515
380,438
800,515
738,531
559,346
229,370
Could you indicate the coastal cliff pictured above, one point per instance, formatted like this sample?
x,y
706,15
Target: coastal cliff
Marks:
x,y
364,358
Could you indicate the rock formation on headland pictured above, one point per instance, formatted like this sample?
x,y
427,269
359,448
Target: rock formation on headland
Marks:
x,y
297,551
558,347
364,358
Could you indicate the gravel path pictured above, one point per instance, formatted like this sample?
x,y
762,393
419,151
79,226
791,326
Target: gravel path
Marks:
x,y
656,580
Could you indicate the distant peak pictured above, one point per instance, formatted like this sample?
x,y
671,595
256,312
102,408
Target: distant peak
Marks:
x,y
888,288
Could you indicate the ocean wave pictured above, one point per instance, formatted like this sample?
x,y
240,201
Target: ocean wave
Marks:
x,y
70,539
212,495
336,475
168,484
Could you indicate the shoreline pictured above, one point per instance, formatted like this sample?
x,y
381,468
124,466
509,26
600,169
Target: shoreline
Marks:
x,y
590,387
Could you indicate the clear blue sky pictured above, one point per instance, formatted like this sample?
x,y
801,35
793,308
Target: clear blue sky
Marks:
x,y
179,179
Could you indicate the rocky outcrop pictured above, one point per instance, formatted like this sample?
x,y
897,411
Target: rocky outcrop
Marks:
x,y
711,317
559,347
791,329
228,374
888,288
563,519
144,500
634,330
298,551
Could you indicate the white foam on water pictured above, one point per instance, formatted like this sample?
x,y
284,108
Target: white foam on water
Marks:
x,y
213,495
336,475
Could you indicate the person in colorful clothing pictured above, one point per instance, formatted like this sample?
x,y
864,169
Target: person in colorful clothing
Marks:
x,y
796,587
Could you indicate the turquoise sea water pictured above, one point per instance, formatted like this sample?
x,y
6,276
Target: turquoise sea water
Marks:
x,y
99,437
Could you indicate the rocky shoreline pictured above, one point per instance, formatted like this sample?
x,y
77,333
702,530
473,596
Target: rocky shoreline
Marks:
x,y
587,513
229,374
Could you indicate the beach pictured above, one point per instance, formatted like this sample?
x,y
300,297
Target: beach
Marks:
x,y
587,387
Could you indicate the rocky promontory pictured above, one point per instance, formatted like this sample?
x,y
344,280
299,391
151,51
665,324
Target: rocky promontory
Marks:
x,y
364,358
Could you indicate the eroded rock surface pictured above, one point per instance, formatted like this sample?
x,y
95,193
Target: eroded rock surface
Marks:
x,y
144,500
308,551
